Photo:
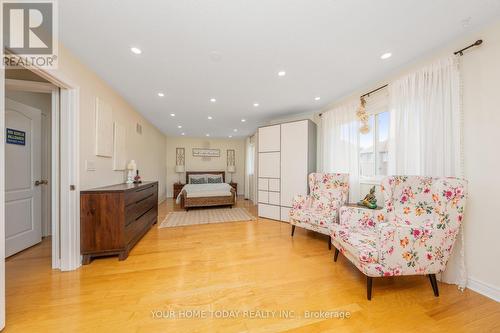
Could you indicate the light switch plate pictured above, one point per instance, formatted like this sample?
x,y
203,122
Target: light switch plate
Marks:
x,y
89,165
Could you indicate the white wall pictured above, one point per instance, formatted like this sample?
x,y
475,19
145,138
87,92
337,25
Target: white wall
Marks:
x,y
200,164
481,88
148,149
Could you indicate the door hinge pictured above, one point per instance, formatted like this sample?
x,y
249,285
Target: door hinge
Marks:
x,y
72,187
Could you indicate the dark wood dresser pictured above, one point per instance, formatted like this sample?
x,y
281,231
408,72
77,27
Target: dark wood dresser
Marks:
x,y
114,218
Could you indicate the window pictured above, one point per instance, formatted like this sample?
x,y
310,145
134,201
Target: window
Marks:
x,y
373,150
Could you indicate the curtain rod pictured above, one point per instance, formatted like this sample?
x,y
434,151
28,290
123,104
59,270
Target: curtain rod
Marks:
x,y
459,53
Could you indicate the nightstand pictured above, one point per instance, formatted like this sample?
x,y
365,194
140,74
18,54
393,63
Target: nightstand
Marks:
x,y
235,186
177,189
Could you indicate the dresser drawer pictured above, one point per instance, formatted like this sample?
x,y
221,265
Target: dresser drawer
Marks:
x,y
140,193
135,228
137,209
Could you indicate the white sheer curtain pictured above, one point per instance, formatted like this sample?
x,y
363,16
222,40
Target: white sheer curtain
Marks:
x,y
426,134
249,168
338,141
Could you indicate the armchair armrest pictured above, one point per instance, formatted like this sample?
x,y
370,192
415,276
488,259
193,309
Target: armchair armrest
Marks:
x,y
416,249
301,202
364,217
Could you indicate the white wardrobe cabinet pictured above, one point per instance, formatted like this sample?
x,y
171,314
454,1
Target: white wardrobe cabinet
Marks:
x,y
287,154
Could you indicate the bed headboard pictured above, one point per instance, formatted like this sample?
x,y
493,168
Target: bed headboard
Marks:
x,y
223,173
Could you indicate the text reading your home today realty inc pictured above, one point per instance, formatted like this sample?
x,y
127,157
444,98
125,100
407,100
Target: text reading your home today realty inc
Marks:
x,y
248,314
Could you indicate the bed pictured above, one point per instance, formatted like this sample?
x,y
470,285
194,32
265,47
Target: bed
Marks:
x,y
206,194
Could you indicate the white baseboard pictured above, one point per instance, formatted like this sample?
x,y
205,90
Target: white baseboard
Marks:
x,y
484,289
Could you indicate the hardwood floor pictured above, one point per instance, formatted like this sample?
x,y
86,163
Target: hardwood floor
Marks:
x,y
239,266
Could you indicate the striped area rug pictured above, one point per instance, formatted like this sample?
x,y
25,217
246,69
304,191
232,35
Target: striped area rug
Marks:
x,y
205,216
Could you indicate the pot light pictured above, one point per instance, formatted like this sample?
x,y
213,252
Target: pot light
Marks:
x,y
179,126
172,115
230,136
135,50
161,94
281,73
386,55
235,130
243,120
207,134
183,133
256,105
213,100
210,117
317,98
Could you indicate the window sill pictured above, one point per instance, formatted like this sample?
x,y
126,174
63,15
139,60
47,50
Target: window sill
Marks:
x,y
371,180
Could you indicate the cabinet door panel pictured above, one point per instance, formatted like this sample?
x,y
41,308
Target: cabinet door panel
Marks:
x,y
263,184
274,198
294,147
274,185
270,212
269,138
263,196
269,165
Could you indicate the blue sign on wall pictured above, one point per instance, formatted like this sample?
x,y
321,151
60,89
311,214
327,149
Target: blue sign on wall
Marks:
x,y
16,137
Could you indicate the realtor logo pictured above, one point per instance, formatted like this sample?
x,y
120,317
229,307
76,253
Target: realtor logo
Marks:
x,y
29,33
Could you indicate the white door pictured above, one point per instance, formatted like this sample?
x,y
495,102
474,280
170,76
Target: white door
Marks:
x,y
23,227
294,159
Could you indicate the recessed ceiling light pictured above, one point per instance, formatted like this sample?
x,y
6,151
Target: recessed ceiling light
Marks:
x,y
172,115
207,134
210,118
281,73
183,133
230,136
161,94
179,126
213,100
135,50
386,55
235,130
256,105
243,120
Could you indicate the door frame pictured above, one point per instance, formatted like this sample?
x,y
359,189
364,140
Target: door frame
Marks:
x,y
65,174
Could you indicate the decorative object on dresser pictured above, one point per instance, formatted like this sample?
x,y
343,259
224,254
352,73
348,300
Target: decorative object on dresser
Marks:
x,y
177,189
131,169
137,178
235,186
286,156
180,166
114,218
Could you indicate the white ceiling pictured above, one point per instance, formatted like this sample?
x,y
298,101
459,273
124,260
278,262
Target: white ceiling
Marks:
x,y
232,50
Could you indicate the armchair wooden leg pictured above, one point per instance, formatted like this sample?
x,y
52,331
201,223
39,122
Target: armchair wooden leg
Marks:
x,y
329,243
432,278
293,229
369,282
336,255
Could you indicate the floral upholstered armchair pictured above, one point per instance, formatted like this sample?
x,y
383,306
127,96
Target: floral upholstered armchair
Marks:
x,y
413,235
319,210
